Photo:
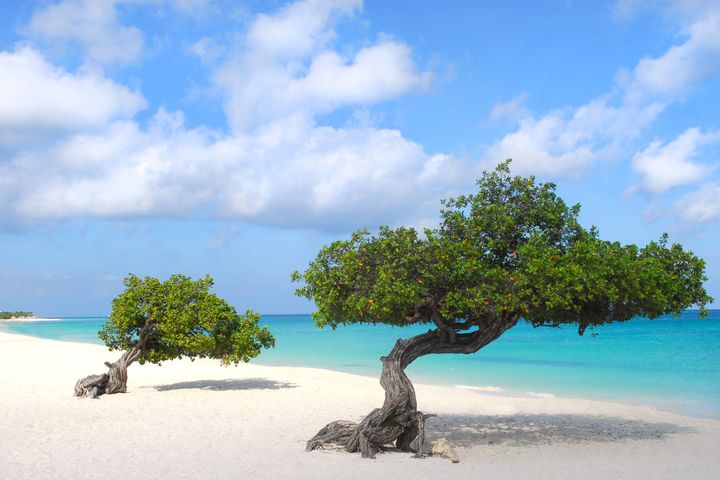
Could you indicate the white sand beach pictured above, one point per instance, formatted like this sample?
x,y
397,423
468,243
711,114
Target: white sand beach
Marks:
x,y
201,420
28,319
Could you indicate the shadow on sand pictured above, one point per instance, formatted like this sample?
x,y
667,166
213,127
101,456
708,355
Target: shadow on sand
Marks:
x,y
227,384
528,430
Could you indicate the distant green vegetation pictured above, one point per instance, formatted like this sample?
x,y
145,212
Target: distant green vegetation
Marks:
x,y
8,315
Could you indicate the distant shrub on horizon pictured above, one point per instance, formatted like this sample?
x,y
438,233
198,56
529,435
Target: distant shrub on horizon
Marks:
x,y
10,315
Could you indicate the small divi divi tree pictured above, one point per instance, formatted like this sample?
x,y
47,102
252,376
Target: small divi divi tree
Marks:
x,y
512,250
155,321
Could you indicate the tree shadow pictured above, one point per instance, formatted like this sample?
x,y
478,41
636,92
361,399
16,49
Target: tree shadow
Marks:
x,y
227,384
543,429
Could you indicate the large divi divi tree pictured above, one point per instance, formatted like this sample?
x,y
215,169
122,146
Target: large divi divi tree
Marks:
x,y
154,321
513,250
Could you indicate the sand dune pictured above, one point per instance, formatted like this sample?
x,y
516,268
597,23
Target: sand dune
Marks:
x,y
201,420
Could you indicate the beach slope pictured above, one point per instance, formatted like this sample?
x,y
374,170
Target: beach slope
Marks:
x,y
201,420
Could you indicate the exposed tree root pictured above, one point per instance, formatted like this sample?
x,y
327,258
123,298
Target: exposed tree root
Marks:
x,y
114,381
369,439
398,422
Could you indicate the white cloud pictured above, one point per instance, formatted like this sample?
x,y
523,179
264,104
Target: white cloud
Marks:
x,y
38,99
276,166
669,77
119,172
671,165
376,73
702,205
543,145
313,176
287,68
95,28
297,29
683,65
566,141
90,24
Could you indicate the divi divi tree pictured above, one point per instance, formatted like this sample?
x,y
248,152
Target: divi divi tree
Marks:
x,y
155,321
513,250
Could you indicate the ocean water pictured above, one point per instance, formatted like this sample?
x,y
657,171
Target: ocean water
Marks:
x,y
672,363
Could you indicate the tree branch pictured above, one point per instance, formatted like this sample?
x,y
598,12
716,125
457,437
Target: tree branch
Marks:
x,y
445,328
433,342
549,325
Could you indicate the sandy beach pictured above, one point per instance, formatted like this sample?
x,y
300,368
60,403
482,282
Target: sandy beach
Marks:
x,y
28,319
201,420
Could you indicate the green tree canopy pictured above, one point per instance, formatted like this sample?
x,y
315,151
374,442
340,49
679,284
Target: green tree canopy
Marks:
x,y
154,321
183,319
514,248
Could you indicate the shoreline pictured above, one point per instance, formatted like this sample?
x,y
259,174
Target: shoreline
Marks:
x,y
202,420
481,391
672,405
489,391
29,319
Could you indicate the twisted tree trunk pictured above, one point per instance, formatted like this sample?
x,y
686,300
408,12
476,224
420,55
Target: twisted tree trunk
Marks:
x,y
115,380
398,421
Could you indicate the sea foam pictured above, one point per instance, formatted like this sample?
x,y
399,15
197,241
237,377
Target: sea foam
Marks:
x,y
484,389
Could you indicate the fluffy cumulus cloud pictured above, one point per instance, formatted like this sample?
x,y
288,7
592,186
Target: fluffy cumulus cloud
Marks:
x,y
96,29
287,68
683,65
274,165
321,177
663,167
72,145
39,99
91,25
702,205
566,141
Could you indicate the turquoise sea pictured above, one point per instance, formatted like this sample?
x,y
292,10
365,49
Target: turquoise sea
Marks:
x,y
671,363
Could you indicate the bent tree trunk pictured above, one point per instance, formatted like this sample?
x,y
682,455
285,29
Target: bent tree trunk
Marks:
x,y
398,421
114,381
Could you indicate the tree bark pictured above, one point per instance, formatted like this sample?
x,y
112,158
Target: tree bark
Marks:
x,y
398,421
115,380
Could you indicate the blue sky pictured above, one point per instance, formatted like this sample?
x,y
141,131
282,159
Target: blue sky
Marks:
x,y
237,138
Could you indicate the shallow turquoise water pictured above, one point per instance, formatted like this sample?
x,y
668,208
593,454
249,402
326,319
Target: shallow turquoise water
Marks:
x,y
673,363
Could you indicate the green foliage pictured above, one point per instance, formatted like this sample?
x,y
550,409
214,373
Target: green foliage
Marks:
x,y
512,248
8,315
182,319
